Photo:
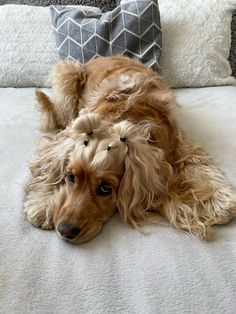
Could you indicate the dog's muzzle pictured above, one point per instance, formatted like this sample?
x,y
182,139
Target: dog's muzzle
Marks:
x,y
68,231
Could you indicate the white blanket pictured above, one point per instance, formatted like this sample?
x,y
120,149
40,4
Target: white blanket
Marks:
x,y
121,270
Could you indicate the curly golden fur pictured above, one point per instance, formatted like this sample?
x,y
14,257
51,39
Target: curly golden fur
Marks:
x,y
116,144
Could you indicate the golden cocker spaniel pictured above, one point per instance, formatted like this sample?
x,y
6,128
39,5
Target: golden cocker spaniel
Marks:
x,y
115,144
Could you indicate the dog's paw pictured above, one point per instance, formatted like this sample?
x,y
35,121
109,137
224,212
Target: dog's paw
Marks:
x,y
38,218
37,211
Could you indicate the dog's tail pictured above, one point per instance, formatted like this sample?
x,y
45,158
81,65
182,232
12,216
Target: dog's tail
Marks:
x,y
67,79
48,121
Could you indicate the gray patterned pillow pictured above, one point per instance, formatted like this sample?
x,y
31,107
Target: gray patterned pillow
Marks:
x,y
131,29
232,56
105,5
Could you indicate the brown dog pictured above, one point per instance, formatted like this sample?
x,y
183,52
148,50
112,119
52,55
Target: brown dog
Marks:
x,y
117,145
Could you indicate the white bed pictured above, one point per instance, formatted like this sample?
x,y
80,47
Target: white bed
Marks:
x,y
121,270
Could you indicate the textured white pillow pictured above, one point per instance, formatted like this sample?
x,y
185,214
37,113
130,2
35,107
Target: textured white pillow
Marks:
x,y
196,39
27,45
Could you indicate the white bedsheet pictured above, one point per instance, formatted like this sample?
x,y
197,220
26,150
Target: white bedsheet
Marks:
x,y
121,270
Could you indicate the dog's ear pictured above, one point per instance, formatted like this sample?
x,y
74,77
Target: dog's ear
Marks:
x,y
145,176
50,166
143,184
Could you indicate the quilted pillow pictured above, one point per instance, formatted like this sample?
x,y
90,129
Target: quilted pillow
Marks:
x,y
196,42
131,29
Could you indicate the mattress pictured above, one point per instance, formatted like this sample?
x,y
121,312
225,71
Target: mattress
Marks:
x,y
121,270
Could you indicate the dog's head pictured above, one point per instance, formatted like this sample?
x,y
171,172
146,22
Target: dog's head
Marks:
x,y
98,168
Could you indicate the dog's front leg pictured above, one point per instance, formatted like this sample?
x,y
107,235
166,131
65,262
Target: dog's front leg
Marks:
x,y
42,203
39,207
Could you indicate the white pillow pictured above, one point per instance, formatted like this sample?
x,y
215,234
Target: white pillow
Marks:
x,y
196,39
27,45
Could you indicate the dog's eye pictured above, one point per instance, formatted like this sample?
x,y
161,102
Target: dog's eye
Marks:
x,y
104,189
71,178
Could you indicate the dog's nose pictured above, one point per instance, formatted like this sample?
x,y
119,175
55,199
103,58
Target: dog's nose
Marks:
x,y
68,231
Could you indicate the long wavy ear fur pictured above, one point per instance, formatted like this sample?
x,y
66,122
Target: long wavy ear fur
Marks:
x,y
49,167
145,178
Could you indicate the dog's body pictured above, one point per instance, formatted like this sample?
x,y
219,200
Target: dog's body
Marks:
x,y
124,150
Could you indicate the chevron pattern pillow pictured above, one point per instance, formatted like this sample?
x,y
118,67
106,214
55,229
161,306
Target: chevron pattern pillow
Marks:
x,y
131,29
